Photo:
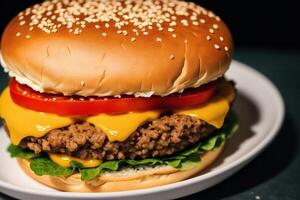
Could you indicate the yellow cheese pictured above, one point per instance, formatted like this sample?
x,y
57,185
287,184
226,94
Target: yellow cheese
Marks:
x,y
65,161
119,127
214,111
23,122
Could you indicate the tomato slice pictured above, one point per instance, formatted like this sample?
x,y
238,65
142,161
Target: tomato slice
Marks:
x,y
83,106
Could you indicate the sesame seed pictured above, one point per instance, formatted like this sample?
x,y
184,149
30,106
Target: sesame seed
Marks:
x,y
210,14
170,29
158,39
76,31
217,46
185,41
208,38
141,15
174,35
184,22
82,83
172,57
211,30
18,34
28,36
215,26
173,23
226,48
22,23
133,39
193,18
221,39
104,34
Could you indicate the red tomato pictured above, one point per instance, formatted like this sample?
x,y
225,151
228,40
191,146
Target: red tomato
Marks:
x,y
83,106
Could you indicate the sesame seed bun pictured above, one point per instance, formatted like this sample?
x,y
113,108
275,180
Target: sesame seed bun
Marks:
x,y
108,48
127,179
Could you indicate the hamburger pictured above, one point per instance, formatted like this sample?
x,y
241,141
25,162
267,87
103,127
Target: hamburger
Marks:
x,y
116,95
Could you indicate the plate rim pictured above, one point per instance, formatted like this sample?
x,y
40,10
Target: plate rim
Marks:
x,y
243,159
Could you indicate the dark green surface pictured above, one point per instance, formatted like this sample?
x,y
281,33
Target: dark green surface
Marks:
x,y
275,174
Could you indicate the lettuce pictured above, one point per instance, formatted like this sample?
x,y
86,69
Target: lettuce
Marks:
x,y
44,166
185,160
18,152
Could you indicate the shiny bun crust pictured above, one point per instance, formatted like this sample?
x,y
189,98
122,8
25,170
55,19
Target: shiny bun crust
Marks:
x,y
109,48
124,180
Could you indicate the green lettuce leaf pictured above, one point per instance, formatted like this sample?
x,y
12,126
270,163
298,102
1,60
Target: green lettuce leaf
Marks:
x,y
148,161
190,162
76,165
185,160
45,166
110,165
173,163
18,152
192,150
88,174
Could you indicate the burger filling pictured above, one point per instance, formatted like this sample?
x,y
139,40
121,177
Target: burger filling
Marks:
x,y
61,145
161,137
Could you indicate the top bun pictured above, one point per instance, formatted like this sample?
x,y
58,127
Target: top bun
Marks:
x,y
109,48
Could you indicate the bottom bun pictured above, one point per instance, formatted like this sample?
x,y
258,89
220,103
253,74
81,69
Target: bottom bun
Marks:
x,y
126,179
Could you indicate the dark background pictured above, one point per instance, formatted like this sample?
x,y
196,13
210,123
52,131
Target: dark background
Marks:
x,y
254,23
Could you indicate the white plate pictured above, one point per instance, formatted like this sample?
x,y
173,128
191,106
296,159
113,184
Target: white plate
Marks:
x,y
260,109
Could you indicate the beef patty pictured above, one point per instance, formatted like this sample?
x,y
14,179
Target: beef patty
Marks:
x,y
160,137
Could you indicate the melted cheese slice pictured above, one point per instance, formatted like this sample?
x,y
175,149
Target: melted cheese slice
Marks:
x,y
23,122
65,161
214,111
119,127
